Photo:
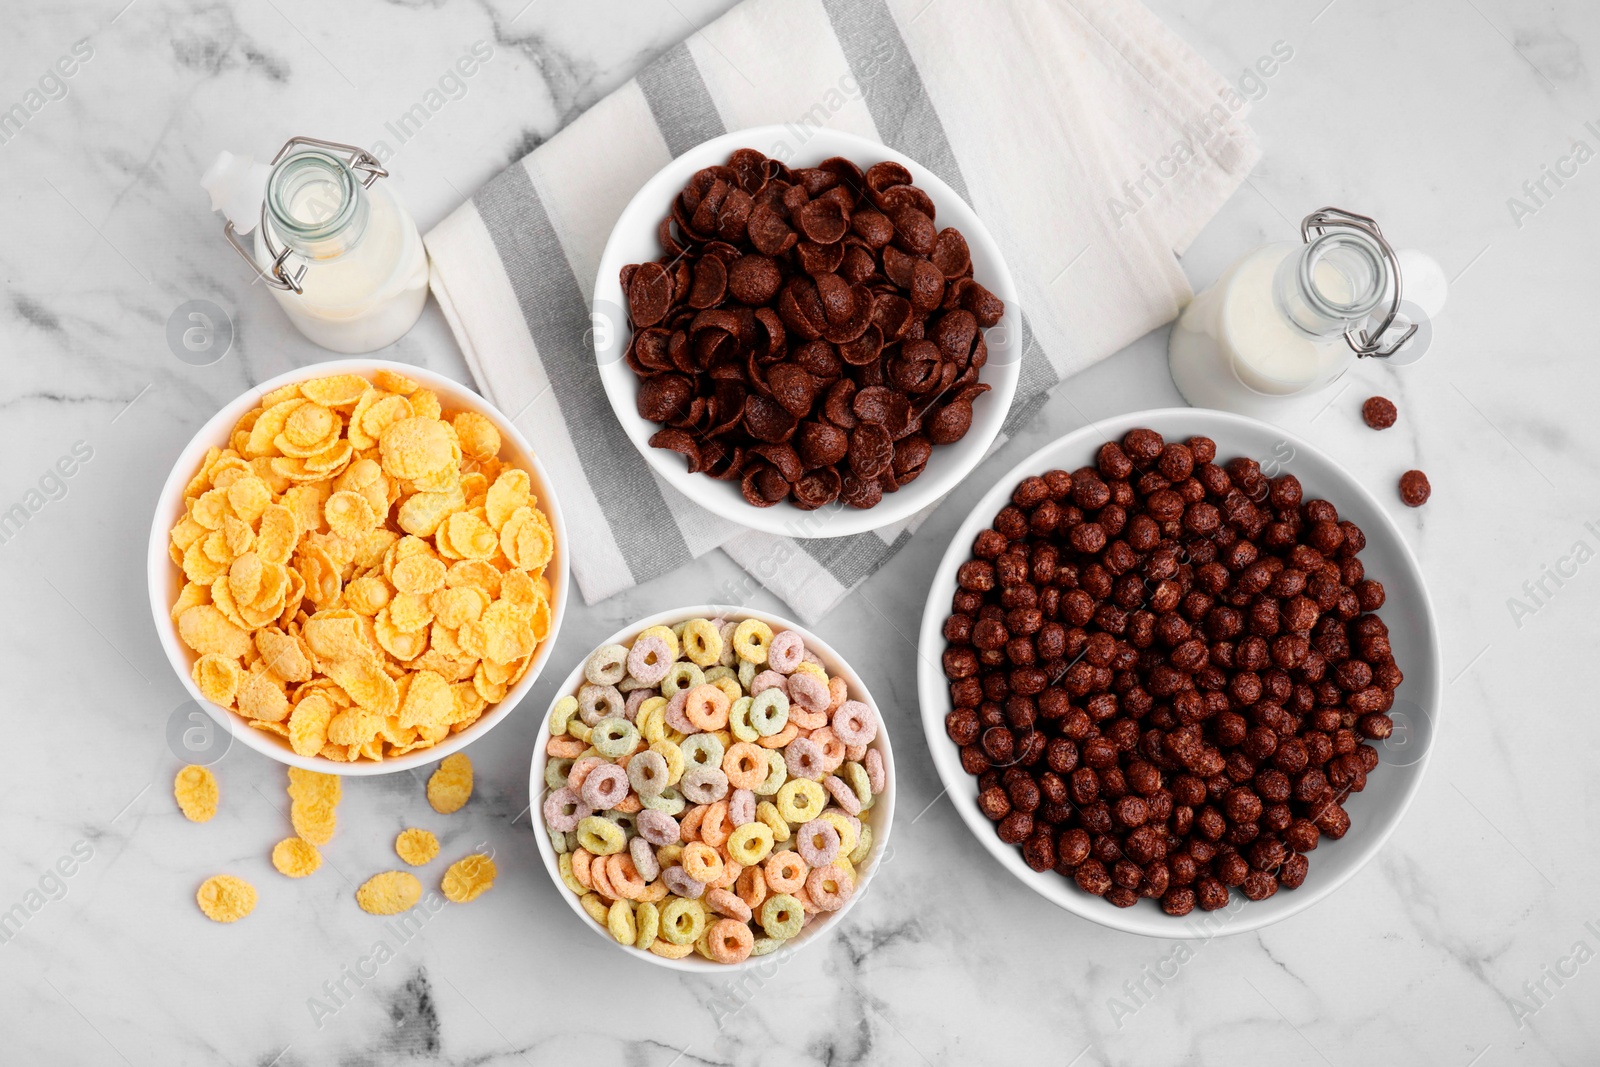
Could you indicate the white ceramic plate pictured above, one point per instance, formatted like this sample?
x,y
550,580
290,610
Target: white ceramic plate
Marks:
x,y
1413,632
633,240
880,816
166,579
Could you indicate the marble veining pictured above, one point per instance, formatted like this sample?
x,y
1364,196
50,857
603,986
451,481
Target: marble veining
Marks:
x,y
1469,941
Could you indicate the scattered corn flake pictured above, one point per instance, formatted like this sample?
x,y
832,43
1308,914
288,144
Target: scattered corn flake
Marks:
x,y
468,878
314,820
225,899
296,857
389,893
195,789
450,786
416,846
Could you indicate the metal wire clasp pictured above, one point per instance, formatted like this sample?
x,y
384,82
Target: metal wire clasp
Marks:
x,y
281,276
1363,344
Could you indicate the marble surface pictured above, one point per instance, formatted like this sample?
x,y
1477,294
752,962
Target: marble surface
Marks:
x,y
1427,115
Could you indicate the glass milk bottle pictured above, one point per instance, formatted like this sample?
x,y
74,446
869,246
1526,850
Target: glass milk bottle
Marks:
x,y
340,252
1290,318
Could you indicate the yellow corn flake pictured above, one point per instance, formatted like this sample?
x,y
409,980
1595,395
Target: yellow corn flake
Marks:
x,y
307,785
421,513
450,785
414,447
367,683
428,702
349,514
507,636
205,629
469,536
296,857
367,595
478,436
409,612
395,382
335,635
416,847
354,726
335,391
418,574
425,403
469,878
285,656
402,645
308,724
314,820
261,695
217,677
195,789
224,898
511,491
389,893
526,539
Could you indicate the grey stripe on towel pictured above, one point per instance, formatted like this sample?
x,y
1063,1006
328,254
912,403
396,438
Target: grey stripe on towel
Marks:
x,y
558,320
679,100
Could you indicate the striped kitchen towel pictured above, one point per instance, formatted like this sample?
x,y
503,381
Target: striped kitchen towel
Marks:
x,y
1092,141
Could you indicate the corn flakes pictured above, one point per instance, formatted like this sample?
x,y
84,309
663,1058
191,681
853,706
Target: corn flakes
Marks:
x,y
296,857
468,878
416,847
195,789
225,899
389,893
343,561
450,785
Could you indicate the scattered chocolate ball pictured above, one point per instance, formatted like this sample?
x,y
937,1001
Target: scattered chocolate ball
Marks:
x,y
1414,489
1379,412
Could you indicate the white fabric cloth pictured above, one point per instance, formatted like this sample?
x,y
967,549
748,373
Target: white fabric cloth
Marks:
x,y
1093,142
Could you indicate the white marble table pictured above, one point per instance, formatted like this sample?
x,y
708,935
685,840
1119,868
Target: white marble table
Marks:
x,y
1427,115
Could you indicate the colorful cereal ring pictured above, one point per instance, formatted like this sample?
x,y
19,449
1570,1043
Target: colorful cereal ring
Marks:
x,y
801,800
658,828
818,843
804,759
741,807
601,836
707,707
649,660
786,652
704,785
644,859
564,809
614,737
751,843
842,794
682,920
829,887
702,644
731,941
606,665
681,675
781,916
785,871
678,881
751,639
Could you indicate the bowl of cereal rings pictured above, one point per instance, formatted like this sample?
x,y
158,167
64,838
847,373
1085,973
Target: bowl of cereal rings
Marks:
x,y
714,785
358,567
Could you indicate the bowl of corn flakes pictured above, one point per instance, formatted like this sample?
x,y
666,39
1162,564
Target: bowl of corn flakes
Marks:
x,y
358,567
712,785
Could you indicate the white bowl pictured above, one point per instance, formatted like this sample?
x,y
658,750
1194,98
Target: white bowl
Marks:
x,y
633,240
166,579
1413,632
880,816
